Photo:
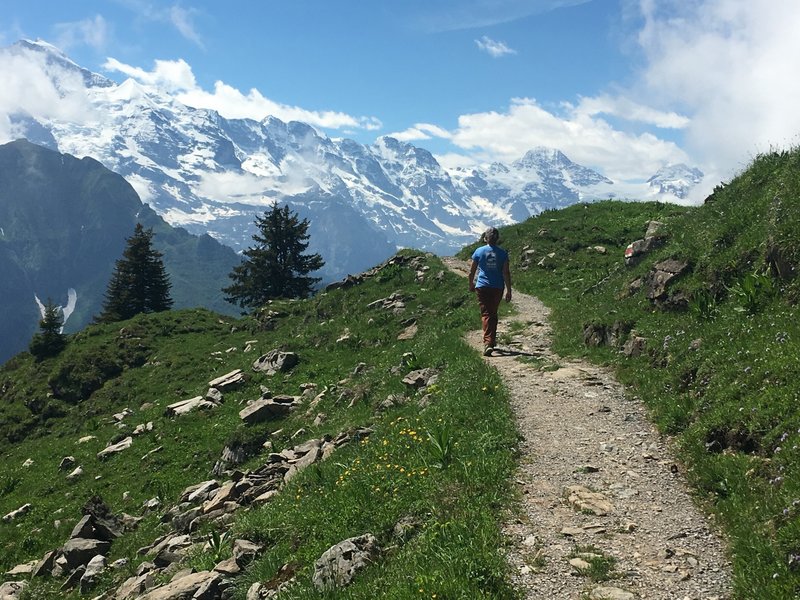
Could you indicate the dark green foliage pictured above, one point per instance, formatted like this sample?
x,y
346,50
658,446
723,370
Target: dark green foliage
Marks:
x,y
49,341
276,266
139,283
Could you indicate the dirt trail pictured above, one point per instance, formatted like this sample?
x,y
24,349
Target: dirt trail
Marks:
x,y
596,478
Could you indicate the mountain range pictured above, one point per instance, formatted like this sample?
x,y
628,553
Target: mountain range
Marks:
x,y
63,224
210,174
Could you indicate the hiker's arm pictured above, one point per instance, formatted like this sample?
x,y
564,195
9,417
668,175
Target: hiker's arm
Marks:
x,y
507,280
472,271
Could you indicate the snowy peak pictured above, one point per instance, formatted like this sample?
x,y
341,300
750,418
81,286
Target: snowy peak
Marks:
x,y
676,180
56,59
213,175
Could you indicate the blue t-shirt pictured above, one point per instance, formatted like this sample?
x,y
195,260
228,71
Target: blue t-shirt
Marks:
x,y
490,266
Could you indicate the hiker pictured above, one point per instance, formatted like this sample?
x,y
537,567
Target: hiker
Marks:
x,y
490,262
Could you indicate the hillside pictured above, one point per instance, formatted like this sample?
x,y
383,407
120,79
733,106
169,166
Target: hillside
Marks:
x,y
63,224
423,466
701,324
704,328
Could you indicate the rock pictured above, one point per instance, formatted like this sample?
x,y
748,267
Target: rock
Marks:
x,y
571,531
599,249
653,229
45,566
214,395
340,563
226,493
580,564
28,463
634,346
229,381
267,409
20,512
11,590
421,378
86,438
408,333
195,586
661,275
66,463
114,448
134,587
184,407
610,593
96,566
275,361
228,567
244,551
585,500
199,492
79,551
23,569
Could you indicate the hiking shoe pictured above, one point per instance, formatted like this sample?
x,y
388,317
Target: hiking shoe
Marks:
x,y
487,350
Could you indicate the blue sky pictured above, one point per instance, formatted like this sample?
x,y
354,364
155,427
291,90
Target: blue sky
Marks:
x,y
623,86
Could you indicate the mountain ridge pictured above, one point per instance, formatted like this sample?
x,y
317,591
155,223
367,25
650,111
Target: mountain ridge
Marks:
x,y
211,174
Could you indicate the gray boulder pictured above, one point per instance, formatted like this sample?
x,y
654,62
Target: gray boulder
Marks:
x,y
275,361
79,551
266,409
195,586
339,564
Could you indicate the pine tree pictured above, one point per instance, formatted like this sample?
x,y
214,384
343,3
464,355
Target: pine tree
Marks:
x,y
49,341
276,266
140,283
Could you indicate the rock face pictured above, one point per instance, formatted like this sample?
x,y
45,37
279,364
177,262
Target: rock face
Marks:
x,y
340,563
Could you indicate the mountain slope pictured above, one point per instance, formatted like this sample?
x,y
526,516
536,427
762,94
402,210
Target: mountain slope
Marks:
x,y
63,224
704,326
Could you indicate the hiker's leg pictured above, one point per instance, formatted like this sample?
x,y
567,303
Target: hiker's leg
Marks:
x,y
489,299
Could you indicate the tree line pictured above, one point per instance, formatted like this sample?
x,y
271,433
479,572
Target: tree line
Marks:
x,y
276,266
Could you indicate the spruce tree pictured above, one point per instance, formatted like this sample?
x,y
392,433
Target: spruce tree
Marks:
x,y
49,341
140,283
275,267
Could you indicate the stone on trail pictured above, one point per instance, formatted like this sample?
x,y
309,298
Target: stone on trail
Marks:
x,y
610,593
585,500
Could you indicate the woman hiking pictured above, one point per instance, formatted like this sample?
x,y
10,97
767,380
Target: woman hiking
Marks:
x,y
490,262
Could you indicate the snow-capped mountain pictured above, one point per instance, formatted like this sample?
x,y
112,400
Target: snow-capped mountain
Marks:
x,y
676,180
212,175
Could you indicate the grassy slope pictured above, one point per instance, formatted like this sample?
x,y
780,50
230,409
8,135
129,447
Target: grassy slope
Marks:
x,y
457,496
732,402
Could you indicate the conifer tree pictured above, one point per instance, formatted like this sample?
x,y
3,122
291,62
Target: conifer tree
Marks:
x,y
49,341
275,267
140,283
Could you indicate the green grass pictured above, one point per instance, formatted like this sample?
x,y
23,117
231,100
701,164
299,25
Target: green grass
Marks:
x,y
720,375
445,467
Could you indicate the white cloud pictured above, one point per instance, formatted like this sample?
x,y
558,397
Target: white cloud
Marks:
x,y
181,18
584,138
31,86
169,75
494,48
420,131
451,15
94,32
732,66
177,77
629,110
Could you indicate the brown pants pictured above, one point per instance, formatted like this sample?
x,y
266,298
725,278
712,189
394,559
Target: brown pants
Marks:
x,y
489,301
